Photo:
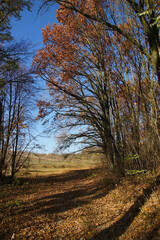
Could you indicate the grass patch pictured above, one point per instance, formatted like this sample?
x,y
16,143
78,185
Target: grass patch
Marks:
x,y
16,203
41,164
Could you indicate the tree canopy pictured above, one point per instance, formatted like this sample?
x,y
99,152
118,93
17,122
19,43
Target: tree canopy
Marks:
x,y
114,15
102,72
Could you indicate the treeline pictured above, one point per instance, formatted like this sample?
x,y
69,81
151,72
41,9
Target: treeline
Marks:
x,y
101,63
16,91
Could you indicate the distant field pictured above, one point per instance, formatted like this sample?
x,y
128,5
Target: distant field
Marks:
x,y
42,164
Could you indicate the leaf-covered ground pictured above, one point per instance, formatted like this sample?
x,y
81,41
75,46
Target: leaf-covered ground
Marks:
x,y
80,204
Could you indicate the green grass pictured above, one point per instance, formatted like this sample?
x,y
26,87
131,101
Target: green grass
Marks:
x,y
16,203
46,164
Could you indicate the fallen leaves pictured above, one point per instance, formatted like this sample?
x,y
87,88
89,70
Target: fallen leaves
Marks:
x,y
69,206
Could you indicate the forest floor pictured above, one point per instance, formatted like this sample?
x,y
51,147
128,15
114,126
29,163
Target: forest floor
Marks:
x,y
81,204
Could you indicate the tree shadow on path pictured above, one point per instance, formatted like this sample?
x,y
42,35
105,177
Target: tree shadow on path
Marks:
x,y
119,227
61,177
67,198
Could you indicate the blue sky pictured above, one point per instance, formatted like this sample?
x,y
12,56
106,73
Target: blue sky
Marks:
x,y
30,28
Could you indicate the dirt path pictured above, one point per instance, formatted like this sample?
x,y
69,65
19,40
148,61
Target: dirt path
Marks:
x,y
79,205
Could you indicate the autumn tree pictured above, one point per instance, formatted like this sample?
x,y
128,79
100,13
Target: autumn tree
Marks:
x,y
8,9
114,16
10,54
136,99
17,102
103,83
76,63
